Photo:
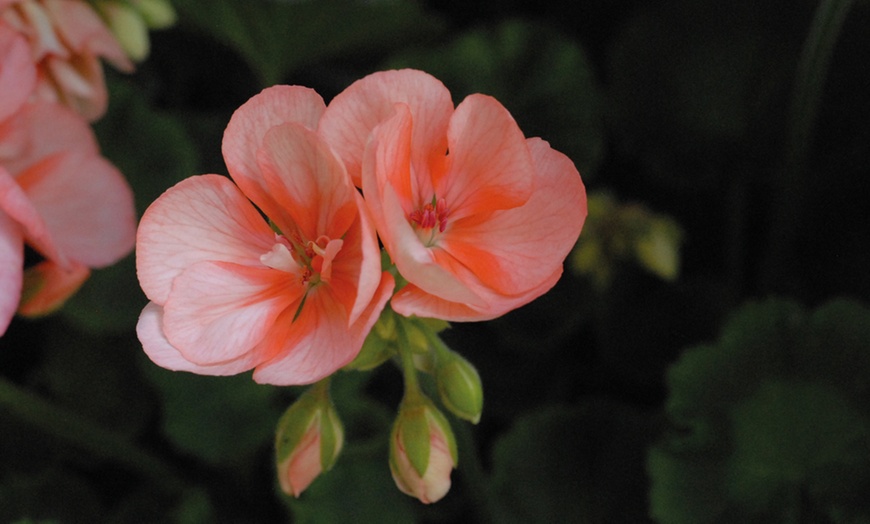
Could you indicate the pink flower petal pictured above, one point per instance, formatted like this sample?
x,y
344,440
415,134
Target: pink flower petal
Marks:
x,y
490,164
39,130
244,134
217,312
354,113
515,249
17,71
82,30
387,160
319,341
161,352
16,204
357,269
202,218
47,286
411,300
87,207
311,346
311,185
11,268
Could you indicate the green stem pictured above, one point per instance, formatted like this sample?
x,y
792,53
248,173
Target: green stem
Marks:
x,y
85,435
406,355
791,184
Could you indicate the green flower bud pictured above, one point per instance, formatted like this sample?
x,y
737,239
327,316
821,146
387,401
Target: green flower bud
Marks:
x,y
158,14
459,387
309,438
128,27
422,450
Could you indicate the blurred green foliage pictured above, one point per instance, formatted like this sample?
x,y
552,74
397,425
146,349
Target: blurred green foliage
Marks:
x,y
684,107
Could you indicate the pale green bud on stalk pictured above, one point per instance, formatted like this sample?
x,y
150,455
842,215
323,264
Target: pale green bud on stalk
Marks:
x,y
459,386
128,27
423,450
308,440
157,14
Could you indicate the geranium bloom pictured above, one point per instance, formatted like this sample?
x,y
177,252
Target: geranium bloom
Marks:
x,y
476,217
57,195
67,38
228,293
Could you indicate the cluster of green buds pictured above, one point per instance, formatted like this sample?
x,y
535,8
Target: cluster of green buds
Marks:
x,y
423,450
130,21
616,232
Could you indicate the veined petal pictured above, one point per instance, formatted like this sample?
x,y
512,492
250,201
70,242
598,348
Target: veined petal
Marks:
x,y
356,271
11,268
411,300
386,156
306,179
490,164
17,71
356,111
47,286
149,329
515,249
311,346
201,218
217,312
244,134
86,205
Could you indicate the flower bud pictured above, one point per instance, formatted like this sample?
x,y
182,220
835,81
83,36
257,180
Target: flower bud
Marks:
x,y
658,249
308,440
128,27
422,451
459,387
379,345
158,14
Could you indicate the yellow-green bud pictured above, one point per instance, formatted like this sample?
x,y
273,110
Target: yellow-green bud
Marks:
x,y
459,387
158,14
129,28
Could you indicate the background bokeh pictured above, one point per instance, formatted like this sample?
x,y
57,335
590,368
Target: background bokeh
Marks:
x,y
738,391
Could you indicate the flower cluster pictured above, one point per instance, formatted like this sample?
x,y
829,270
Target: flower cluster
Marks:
x,y
279,270
58,195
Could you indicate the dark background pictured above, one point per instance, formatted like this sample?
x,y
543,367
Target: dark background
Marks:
x,y
746,122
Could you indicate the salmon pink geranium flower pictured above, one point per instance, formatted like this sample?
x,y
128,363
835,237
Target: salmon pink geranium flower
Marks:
x,y
477,218
67,39
292,298
57,195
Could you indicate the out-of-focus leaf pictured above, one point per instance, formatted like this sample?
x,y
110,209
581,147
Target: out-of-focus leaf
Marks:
x,y
218,419
276,38
49,495
772,423
97,378
580,464
153,152
542,76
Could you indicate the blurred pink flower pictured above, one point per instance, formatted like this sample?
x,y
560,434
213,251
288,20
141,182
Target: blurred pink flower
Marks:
x,y
66,38
476,217
57,195
227,292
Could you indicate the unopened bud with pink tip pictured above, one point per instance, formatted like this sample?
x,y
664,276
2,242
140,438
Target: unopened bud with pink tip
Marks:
x,y
309,438
422,450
